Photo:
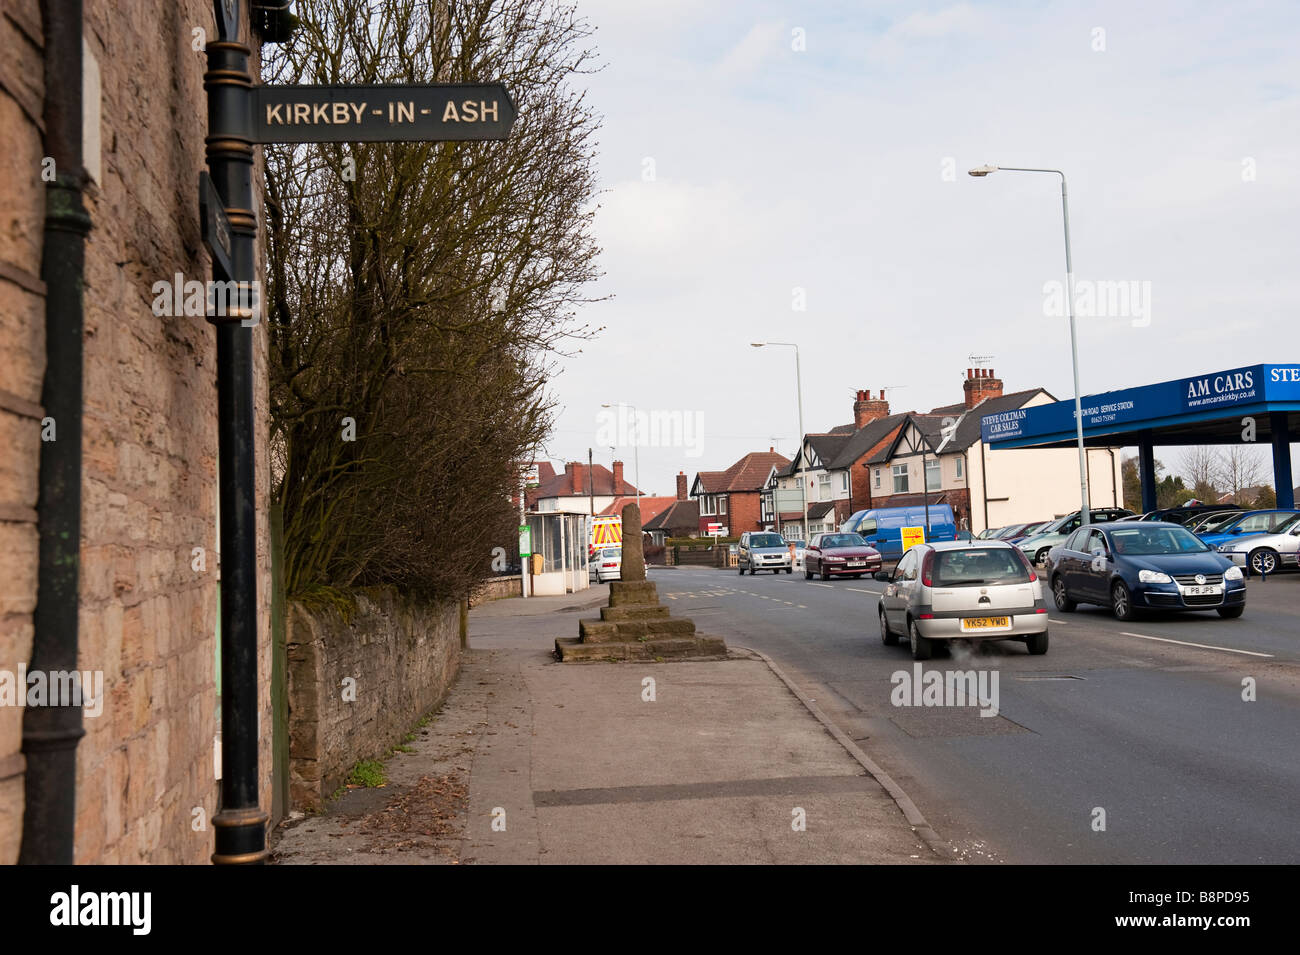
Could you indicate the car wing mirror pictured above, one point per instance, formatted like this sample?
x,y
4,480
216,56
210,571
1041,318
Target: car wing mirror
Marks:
x,y
883,575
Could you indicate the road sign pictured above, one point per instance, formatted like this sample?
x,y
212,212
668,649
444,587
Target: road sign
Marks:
x,y
345,114
525,540
214,226
912,535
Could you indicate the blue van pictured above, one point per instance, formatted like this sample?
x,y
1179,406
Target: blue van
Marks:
x,y
883,526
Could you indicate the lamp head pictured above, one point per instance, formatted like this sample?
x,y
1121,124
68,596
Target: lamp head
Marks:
x,y
980,171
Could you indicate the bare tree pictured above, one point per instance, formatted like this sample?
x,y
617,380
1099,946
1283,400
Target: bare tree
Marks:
x,y
1199,466
1241,467
420,292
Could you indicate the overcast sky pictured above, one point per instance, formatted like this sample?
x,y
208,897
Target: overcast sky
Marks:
x,y
841,170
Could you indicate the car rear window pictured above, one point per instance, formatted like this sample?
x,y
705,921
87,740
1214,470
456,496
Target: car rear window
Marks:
x,y
979,565
767,540
611,552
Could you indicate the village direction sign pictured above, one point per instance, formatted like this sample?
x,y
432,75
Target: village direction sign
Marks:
x,y
214,225
333,114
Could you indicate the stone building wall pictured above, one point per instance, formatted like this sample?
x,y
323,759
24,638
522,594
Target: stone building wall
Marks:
x,y
148,617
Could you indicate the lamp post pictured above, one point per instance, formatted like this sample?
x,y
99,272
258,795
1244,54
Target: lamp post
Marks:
x,y
803,458
980,172
636,450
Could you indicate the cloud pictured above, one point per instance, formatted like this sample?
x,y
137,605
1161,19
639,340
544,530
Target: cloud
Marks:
x,y
763,41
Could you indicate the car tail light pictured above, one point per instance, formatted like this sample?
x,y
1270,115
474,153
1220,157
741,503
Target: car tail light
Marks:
x,y
609,565
1040,610
925,616
1033,574
927,567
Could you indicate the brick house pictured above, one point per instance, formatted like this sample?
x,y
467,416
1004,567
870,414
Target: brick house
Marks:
x,y
680,519
578,486
939,456
733,498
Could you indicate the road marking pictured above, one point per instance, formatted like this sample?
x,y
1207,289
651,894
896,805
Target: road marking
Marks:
x,y
860,590
801,606
824,585
1203,646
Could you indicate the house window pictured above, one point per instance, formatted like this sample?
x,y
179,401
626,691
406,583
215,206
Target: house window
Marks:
x,y
823,487
900,478
706,505
960,468
722,504
844,480
933,474
877,473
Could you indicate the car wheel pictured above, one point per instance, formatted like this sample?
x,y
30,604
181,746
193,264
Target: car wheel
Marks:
x,y
807,574
921,647
887,637
1037,643
1041,556
1263,560
1121,601
825,576
1231,613
741,567
1063,601
789,570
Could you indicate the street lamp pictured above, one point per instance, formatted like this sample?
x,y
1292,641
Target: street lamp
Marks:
x,y
636,451
803,458
981,171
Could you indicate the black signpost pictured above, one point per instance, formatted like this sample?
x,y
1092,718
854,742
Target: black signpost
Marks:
x,y
241,114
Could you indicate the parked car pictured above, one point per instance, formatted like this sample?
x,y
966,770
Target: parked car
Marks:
x,y
1037,545
1187,512
1248,522
1027,531
1266,553
606,564
1131,566
763,550
1208,523
840,555
989,533
974,590
882,527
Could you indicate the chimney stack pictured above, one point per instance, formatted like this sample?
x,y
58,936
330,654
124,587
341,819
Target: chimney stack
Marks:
x,y
867,409
577,484
618,477
681,485
980,383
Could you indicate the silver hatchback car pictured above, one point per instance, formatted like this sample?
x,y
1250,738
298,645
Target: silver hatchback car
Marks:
x,y
963,590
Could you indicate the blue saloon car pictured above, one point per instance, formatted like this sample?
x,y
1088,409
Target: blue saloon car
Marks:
x,y
1131,566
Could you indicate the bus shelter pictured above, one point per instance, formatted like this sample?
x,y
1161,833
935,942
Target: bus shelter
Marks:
x,y
1256,404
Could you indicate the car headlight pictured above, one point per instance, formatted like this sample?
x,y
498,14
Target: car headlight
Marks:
x,y
1154,577
833,559
1225,548
1232,573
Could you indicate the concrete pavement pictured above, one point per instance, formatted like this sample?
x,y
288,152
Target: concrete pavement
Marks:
x,y
531,761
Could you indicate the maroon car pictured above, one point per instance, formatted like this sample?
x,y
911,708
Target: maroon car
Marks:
x,y
841,555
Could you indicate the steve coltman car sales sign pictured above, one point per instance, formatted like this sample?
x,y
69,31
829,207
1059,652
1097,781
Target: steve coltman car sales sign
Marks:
x,y
333,114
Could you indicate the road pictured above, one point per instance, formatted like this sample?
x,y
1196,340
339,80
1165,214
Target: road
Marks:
x,y
1133,720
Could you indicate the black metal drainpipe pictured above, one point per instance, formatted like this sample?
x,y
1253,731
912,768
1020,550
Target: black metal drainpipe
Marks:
x,y
240,826
51,733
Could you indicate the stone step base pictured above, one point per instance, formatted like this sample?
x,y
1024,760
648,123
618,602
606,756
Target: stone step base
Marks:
x,y
572,649
634,612
632,592
604,631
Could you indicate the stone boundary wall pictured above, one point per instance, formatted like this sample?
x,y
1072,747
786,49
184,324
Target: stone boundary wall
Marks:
x,y
357,685
495,588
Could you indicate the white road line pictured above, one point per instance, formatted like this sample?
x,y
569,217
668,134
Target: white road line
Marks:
x,y
801,606
860,590
1203,646
828,586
